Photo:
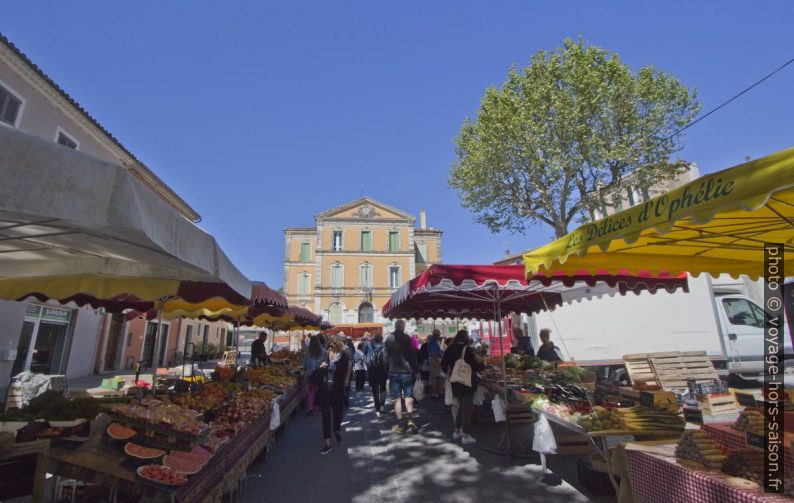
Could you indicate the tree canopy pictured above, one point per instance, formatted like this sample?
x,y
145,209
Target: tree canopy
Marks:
x,y
559,138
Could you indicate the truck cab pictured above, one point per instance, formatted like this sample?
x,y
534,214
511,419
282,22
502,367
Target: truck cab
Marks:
x,y
741,322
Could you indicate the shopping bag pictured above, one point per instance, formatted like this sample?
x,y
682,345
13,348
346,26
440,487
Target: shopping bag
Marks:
x,y
479,395
461,372
275,415
449,398
543,440
419,390
498,406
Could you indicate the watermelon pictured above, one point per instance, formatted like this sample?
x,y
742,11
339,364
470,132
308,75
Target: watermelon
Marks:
x,y
119,432
201,453
161,475
183,463
141,452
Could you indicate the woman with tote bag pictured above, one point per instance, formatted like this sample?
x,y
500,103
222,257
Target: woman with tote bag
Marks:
x,y
461,364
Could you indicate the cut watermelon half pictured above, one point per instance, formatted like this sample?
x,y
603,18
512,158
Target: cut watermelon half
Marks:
x,y
185,463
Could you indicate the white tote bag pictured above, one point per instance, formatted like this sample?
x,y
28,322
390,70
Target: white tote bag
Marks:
x,y
449,398
461,372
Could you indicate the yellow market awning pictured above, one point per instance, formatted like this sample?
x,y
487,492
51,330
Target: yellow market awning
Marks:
x,y
715,224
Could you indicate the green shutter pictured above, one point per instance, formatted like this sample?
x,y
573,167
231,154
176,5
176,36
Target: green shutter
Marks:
x,y
394,241
305,252
366,241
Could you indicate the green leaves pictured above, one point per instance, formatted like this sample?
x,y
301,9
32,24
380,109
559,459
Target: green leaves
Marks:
x,y
561,135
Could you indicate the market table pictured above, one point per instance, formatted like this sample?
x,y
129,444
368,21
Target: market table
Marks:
x,y
656,477
99,462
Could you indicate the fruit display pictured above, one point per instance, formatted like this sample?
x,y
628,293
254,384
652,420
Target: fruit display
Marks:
x,y
294,359
747,463
750,420
212,396
141,452
162,475
698,446
119,432
649,418
225,373
275,376
165,416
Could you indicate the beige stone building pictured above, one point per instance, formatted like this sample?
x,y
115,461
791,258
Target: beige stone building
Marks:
x,y
347,266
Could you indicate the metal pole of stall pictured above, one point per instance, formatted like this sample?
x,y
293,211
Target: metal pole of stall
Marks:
x,y
157,335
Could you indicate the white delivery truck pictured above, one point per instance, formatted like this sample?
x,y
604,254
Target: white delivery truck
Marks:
x,y
722,316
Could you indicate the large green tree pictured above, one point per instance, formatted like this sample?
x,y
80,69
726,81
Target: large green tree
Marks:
x,y
559,138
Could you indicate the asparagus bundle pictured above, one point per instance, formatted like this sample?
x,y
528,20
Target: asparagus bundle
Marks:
x,y
750,420
698,446
747,463
649,418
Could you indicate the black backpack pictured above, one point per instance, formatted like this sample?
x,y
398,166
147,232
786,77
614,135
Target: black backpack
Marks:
x,y
376,359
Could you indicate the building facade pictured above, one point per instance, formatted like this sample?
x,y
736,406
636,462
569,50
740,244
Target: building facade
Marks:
x,y
347,266
47,337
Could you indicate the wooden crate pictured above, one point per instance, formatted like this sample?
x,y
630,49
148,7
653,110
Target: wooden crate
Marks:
x,y
673,369
640,371
714,405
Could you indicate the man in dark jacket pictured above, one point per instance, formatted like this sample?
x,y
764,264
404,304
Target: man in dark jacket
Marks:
x,y
403,364
259,357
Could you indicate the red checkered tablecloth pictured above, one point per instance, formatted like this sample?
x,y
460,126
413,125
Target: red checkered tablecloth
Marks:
x,y
728,439
657,479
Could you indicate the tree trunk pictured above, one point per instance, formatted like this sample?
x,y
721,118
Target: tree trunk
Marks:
x,y
560,229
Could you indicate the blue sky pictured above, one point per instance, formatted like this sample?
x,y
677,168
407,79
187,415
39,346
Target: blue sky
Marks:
x,y
262,114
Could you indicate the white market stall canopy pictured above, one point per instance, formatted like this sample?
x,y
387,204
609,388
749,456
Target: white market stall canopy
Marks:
x,y
66,214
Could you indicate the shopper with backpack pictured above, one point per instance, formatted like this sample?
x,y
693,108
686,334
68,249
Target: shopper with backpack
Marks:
x,y
403,368
377,372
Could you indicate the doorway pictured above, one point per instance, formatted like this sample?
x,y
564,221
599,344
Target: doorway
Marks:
x,y
148,345
43,339
115,339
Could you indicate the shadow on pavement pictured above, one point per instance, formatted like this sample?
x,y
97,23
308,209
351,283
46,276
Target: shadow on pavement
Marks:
x,y
375,465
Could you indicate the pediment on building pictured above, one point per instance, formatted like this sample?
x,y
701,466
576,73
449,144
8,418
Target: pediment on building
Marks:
x,y
364,209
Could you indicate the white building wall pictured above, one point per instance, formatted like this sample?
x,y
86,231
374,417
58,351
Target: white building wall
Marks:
x,y
12,314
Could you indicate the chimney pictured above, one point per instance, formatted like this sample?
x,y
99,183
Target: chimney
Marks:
x,y
422,219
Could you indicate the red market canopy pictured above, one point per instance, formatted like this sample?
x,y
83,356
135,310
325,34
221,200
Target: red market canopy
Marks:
x,y
486,291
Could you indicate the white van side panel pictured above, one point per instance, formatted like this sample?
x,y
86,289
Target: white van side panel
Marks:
x,y
607,328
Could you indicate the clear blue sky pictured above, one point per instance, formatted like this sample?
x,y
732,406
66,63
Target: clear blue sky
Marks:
x,y
261,114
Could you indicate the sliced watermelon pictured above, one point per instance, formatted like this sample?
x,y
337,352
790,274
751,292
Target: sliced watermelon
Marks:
x,y
119,432
184,464
201,453
141,452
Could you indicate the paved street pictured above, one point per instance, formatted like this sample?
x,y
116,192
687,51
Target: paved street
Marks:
x,y
375,465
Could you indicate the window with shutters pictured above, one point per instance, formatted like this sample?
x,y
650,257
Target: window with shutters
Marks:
x,y
304,282
394,276
10,105
366,241
365,276
394,241
336,241
335,313
337,276
306,252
